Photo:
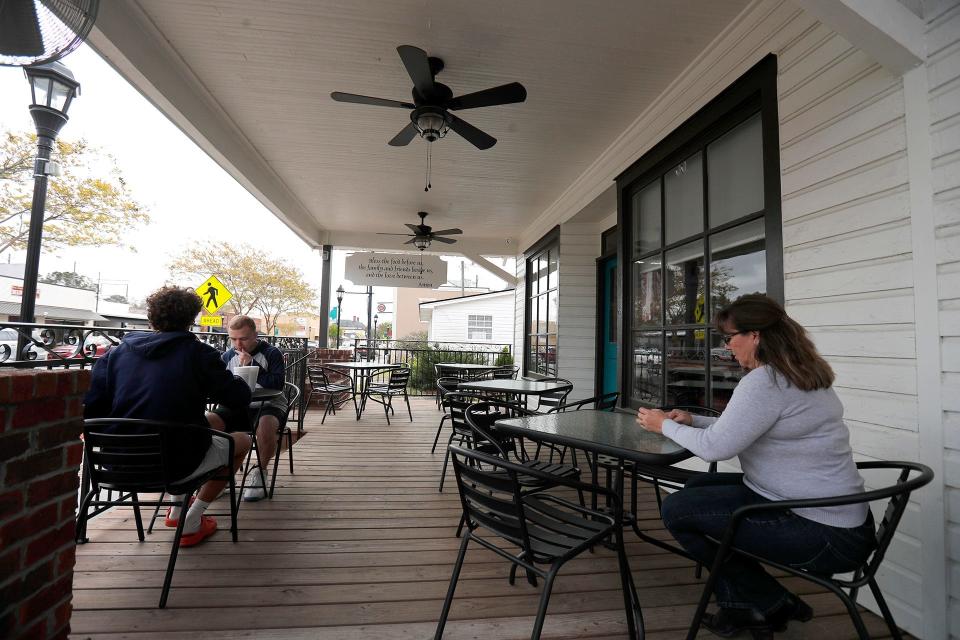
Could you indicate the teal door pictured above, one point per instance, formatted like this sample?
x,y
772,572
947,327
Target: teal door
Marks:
x,y
609,317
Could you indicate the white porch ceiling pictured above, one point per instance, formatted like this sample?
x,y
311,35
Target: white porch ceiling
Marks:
x,y
249,81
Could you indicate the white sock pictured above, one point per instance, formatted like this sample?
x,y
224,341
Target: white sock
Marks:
x,y
175,511
192,525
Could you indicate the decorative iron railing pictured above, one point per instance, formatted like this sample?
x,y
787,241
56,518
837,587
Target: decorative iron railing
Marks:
x,y
62,346
422,356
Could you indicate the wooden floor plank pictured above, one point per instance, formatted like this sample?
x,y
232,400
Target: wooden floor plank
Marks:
x,y
359,544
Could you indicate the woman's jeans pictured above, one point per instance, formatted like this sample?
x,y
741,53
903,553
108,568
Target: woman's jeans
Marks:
x,y
703,508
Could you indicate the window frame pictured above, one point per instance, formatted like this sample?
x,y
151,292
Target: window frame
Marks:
x,y
754,93
480,317
550,242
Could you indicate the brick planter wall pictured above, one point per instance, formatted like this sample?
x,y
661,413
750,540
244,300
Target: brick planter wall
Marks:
x,y
40,453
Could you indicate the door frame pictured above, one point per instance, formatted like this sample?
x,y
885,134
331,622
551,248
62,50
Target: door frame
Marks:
x,y
598,338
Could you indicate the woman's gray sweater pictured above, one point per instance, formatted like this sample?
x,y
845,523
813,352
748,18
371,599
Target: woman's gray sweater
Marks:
x,y
791,444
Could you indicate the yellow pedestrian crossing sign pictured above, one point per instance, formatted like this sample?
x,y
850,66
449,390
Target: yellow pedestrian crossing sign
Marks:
x,y
213,294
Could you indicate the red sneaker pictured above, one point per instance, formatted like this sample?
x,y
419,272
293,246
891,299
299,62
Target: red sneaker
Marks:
x,y
207,526
170,522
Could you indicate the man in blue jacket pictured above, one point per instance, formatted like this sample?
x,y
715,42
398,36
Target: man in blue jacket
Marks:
x,y
250,351
170,375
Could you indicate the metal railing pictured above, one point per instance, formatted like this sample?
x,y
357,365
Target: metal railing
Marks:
x,y
63,346
422,356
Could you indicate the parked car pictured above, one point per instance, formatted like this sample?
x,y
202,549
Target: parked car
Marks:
x,y
721,353
94,345
8,347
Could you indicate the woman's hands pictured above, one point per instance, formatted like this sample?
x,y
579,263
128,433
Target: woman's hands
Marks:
x,y
652,419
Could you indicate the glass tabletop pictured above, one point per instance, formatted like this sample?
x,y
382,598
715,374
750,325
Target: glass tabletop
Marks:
x,y
613,433
523,387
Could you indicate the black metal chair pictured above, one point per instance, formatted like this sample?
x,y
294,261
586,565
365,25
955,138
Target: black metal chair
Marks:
x,y
133,457
897,496
383,392
445,385
508,372
455,404
292,394
332,383
547,529
548,401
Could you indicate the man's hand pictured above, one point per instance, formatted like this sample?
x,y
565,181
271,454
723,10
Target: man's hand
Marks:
x,y
245,358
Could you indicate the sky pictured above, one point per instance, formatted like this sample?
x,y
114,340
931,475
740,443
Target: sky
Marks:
x,y
189,197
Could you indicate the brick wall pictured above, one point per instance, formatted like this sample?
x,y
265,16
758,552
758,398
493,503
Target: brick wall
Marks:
x,y
40,453
324,356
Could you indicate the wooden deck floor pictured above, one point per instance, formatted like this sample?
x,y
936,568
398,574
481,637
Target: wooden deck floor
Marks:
x,y
358,544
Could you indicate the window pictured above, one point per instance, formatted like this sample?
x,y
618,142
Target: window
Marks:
x,y
542,308
701,213
480,328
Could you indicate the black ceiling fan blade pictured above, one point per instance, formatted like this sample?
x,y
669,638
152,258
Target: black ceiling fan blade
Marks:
x,y
381,233
447,232
410,241
443,240
474,136
416,229
376,102
19,31
403,138
418,67
504,94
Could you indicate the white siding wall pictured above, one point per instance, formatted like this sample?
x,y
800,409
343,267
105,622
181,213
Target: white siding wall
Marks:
x,y
576,339
848,256
449,323
943,79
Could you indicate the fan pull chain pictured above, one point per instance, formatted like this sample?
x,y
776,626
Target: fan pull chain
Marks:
x,y
429,186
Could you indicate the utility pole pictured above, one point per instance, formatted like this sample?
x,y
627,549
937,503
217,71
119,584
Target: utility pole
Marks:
x,y
461,279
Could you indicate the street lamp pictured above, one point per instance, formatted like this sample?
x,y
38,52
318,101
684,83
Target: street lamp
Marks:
x,y
52,89
375,316
340,293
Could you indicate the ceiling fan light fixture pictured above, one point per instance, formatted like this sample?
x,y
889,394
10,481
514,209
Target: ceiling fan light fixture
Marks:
x,y
421,242
431,124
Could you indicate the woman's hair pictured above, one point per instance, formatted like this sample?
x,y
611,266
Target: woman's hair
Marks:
x,y
784,344
173,308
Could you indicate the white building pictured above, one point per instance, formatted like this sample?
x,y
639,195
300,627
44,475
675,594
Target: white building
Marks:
x,y
55,304
482,317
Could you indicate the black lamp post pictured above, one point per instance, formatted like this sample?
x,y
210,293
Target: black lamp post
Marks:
x,y
340,293
52,89
375,316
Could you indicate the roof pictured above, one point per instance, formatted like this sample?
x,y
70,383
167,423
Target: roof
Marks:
x,y
491,294
13,309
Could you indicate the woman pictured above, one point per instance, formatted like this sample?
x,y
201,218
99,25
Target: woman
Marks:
x,y
785,423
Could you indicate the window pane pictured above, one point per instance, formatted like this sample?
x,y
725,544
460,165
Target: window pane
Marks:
x,y
686,367
647,292
725,373
738,264
542,314
647,366
553,309
683,199
735,173
542,273
614,318
550,355
685,284
646,219
532,356
553,269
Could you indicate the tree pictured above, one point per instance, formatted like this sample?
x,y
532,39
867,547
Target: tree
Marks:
x,y
116,297
332,332
384,330
257,280
69,279
88,205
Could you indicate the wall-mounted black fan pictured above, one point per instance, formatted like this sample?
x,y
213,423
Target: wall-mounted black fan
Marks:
x,y
430,116
39,31
423,235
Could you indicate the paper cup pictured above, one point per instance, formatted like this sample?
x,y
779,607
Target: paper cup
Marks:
x,y
249,375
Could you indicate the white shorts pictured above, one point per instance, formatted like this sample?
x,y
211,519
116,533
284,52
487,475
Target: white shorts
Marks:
x,y
218,455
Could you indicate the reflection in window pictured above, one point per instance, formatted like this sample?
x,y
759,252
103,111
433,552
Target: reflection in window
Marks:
x,y
685,284
647,291
543,303
735,173
686,367
646,219
683,199
738,264
647,366
725,373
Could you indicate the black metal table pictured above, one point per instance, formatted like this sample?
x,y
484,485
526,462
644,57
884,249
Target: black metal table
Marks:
x,y
523,388
361,377
464,368
615,434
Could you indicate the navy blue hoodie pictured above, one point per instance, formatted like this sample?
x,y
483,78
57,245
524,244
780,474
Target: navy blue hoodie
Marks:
x,y
167,375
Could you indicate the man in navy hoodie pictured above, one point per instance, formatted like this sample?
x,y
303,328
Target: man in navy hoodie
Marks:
x,y
170,375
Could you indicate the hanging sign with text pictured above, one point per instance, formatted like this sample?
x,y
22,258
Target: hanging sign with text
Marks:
x,y
396,270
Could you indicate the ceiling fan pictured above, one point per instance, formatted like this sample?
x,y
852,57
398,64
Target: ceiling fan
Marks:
x,y
423,235
430,116
39,31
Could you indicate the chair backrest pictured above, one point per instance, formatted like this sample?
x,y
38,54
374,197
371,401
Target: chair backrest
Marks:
x,y
292,394
481,418
605,402
399,378
554,398
456,403
447,384
126,454
508,372
899,497
321,377
490,495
